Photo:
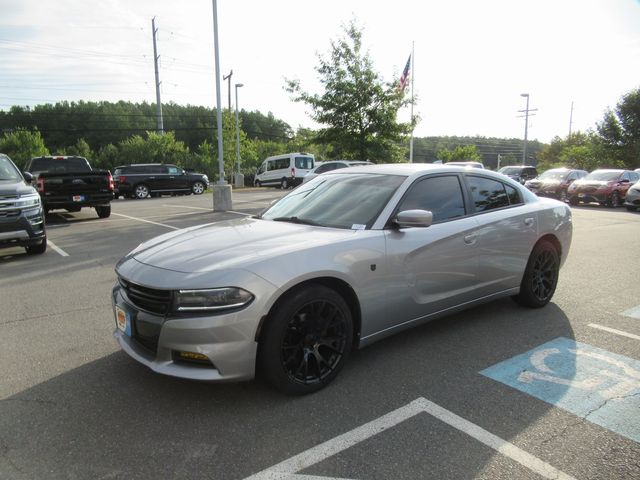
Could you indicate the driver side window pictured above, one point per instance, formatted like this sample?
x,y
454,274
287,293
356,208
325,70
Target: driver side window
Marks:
x,y
441,195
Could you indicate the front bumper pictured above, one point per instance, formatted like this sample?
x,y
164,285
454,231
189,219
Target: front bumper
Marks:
x,y
228,340
22,228
632,199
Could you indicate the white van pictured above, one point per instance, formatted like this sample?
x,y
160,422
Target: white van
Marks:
x,y
284,171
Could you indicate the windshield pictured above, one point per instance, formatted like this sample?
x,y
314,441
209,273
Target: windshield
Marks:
x,y
341,200
510,170
555,175
603,175
8,171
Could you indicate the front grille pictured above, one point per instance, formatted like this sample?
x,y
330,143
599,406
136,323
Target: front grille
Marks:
x,y
149,299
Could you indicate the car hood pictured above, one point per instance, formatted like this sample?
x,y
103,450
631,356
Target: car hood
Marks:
x,y
543,182
232,244
11,187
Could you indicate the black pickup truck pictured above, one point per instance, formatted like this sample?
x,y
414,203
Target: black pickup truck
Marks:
x,y
69,182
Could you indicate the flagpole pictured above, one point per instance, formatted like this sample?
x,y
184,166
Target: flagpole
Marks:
x,y
413,59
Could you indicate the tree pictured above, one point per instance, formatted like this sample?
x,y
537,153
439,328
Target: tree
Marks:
x,y
357,108
619,131
156,148
22,145
460,154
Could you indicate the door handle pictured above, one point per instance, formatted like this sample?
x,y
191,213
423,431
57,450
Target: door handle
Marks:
x,y
470,239
528,222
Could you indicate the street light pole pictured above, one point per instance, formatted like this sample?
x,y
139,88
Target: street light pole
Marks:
x,y
221,191
239,176
526,127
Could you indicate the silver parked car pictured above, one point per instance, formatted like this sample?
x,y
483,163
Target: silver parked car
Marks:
x,y
342,261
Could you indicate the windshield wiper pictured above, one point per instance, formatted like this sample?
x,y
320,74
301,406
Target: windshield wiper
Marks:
x,y
302,221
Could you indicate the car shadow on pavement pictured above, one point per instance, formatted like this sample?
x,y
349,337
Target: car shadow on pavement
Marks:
x,y
113,418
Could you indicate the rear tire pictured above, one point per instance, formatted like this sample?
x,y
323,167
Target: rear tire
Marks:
x,y
284,184
141,191
104,211
306,340
573,201
540,277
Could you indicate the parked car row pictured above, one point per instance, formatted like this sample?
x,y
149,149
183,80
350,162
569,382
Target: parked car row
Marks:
x,y
610,187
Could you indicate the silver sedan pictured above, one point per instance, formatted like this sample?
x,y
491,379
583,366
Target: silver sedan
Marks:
x,y
342,261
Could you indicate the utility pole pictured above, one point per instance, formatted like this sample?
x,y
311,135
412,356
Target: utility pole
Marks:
x,y
526,125
160,126
571,120
228,78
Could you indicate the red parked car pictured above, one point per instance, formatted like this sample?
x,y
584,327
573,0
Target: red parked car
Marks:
x,y
605,186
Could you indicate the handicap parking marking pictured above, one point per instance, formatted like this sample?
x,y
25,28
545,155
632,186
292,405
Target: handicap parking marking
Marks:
x,y
290,468
597,385
632,312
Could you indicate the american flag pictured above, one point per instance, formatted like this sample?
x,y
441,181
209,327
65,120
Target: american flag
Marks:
x,y
404,79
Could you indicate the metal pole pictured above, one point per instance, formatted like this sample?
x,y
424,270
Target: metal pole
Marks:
x,y
221,180
526,127
228,78
159,122
570,119
238,85
413,60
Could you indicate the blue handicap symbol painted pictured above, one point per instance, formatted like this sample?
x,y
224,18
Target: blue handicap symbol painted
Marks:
x,y
592,383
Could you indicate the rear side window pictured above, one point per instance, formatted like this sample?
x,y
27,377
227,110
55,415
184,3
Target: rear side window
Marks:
x,y
305,163
488,194
442,196
53,164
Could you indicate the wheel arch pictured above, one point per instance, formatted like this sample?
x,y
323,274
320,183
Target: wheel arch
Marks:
x,y
340,286
553,240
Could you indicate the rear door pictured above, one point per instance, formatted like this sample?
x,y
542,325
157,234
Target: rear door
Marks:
x,y
507,230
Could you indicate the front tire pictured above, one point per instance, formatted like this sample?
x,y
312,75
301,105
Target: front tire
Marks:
x,y
540,277
37,249
306,340
614,201
574,201
198,188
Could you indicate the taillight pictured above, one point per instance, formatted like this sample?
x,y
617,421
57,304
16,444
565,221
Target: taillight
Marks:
x,y
293,172
40,185
122,179
110,178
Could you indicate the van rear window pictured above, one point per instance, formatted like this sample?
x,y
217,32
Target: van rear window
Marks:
x,y
305,163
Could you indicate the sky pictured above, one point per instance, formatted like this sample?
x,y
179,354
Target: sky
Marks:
x,y
472,59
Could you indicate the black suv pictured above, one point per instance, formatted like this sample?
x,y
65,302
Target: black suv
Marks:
x,y
151,179
21,213
519,173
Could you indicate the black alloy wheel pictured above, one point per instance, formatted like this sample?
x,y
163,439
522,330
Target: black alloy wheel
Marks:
x,y
540,277
307,341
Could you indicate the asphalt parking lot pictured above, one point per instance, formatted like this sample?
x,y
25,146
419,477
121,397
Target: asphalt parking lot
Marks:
x,y
495,392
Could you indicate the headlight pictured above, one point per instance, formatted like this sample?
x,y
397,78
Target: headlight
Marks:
x,y
212,299
29,201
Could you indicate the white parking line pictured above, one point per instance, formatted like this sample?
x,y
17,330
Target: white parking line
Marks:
x,y
289,468
147,221
209,209
57,249
613,330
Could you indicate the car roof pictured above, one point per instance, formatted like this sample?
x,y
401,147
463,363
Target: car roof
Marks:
x,y
409,169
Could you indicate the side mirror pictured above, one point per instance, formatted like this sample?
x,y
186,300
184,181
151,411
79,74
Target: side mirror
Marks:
x,y
27,177
414,218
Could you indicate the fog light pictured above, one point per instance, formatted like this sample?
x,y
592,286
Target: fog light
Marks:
x,y
192,357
